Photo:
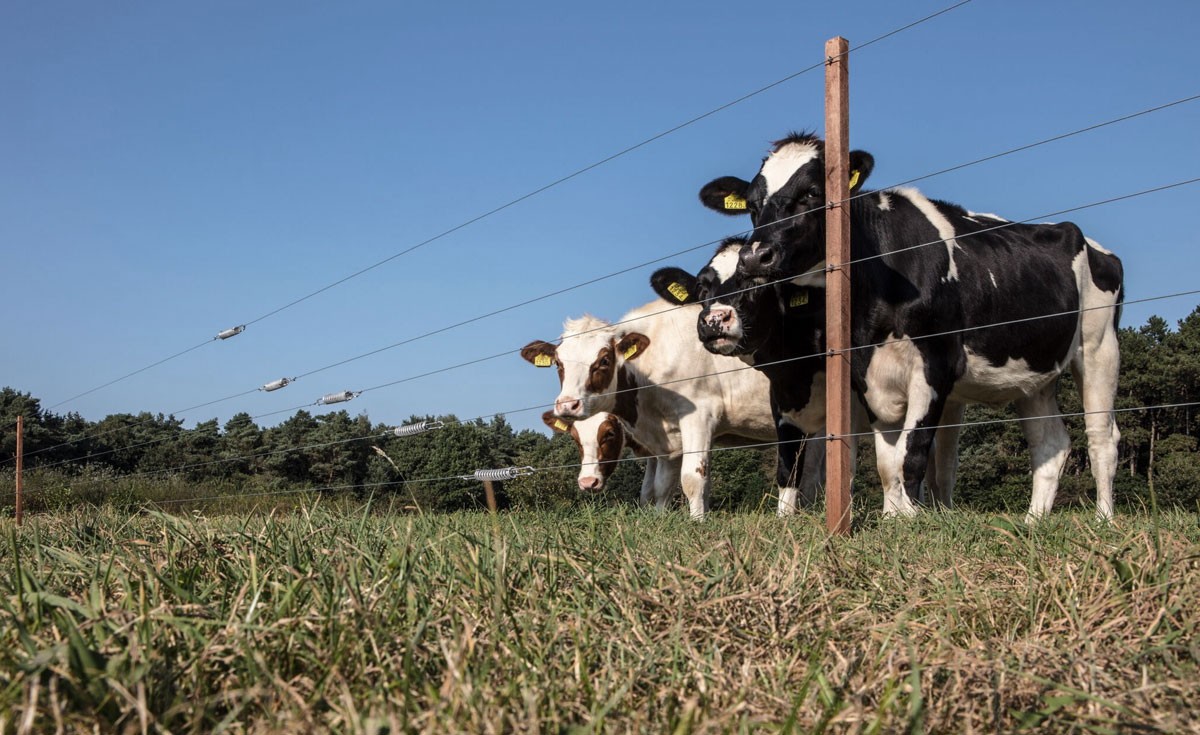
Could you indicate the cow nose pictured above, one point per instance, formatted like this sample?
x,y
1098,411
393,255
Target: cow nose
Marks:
x,y
568,407
589,483
757,260
719,317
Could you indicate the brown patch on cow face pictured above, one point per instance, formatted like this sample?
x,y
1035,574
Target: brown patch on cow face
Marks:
x,y
600,373
627,397
610,438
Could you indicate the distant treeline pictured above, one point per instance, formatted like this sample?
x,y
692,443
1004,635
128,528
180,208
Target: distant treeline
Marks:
x,y
130,458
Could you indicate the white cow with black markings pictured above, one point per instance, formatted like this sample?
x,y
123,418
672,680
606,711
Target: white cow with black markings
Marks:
x,y
674,399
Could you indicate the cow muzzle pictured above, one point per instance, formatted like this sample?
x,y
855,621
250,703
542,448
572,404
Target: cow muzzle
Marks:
x,y
591,483
568,407
759,262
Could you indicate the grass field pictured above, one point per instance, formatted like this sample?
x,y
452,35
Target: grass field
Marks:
x,y
602,620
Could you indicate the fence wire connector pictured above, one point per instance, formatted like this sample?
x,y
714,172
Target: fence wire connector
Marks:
x,y
277,384
231,332
505,473
418,428
342,397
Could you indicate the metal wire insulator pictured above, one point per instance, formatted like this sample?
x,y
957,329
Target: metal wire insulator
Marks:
x,y
506,473
277,384
231,332
342,397
418,428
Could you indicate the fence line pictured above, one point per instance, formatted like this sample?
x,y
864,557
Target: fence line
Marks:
x,y
739,368
574,465
518,200
638,266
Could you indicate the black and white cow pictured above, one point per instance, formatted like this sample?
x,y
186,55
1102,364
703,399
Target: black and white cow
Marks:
x,y
779,329
675,399
783,338
930,280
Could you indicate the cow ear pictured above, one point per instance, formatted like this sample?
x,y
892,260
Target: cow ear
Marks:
x,y
861,165
632,345
539,353
674,285
726,195
557,424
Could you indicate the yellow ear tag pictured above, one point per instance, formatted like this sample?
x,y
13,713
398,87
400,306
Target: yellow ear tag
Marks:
x,y
679,291
542,361
800,298
733,201
633,348
853,179
561,425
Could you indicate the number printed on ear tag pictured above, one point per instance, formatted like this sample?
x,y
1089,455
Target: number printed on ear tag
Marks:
x,y
542,361
679,291
733,201
800,298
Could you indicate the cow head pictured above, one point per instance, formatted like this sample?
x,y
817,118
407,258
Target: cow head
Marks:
x,y
600,439
589,356
736,316
786,204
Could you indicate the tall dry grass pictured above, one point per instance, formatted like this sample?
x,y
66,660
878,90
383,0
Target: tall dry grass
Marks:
x,y
606,621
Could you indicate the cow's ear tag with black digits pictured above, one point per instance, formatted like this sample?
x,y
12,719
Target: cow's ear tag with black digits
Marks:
x,y
733,201
679,291
561,425
800,298
631,351
542,360
854,176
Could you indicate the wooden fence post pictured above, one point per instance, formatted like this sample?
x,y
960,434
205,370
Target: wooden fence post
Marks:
x,y
837,286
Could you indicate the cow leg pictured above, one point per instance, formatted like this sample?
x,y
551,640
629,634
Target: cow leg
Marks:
x,y
944,467
647,495
1049,444
889,460
1096,375
666,481
787,466
812,478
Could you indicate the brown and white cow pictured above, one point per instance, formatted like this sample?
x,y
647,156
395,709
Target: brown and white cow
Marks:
x,y
673,398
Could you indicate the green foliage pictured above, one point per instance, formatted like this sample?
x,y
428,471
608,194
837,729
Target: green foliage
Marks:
x,y
344,455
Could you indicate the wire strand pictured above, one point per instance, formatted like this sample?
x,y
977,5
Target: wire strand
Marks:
x,y
524,197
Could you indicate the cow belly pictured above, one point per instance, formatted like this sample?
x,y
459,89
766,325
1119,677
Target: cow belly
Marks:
x,y
984,382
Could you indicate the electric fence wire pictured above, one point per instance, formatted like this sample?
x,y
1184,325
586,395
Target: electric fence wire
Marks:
x,y
638,266
958,237
522,198
739,368
758,445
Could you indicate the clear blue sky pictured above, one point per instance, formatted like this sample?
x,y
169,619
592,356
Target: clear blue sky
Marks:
x,y
168,170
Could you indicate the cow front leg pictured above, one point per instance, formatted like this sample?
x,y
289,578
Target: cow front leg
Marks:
x,y
666,481
788,466
903,454
647,495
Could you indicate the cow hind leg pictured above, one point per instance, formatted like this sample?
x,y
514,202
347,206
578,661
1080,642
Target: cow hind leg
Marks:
x,y
1096,375
666,481
944,467
1049,444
